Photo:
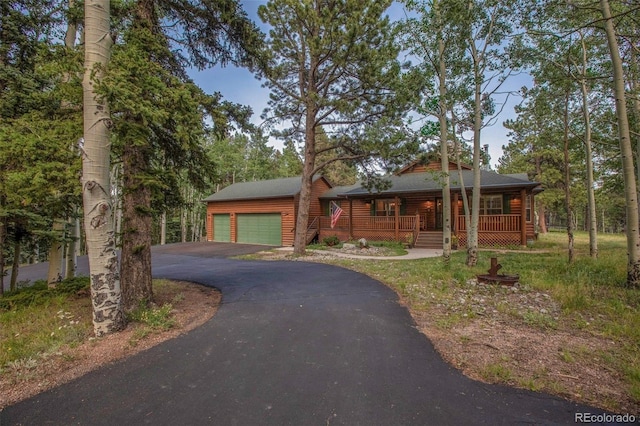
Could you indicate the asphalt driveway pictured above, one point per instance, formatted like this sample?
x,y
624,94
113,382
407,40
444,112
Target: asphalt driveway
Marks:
x,y
293,343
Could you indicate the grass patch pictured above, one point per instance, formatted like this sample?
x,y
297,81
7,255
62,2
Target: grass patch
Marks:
x,y
156,318
394,248
540,320
566,356
36,321
497,372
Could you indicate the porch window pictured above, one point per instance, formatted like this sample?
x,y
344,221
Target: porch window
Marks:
x,y
528,208
490,204
385,207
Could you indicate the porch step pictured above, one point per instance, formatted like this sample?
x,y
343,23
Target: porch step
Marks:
x,y
429,239
311,235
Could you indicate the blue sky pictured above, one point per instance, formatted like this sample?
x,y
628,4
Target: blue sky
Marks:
x,y
240,86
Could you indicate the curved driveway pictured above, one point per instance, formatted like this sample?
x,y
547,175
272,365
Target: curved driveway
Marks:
x,y
293,343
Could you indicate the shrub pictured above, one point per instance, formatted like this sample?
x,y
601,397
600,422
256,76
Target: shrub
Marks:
x,y
331,241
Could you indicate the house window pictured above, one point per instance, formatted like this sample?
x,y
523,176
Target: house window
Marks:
x,y
385,207
528,208
491,204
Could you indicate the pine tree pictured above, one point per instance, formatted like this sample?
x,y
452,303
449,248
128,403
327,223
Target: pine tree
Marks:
x,y
334,66
160,116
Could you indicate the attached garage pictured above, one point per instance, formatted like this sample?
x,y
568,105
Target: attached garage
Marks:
x,y
260,228
222,228
260,212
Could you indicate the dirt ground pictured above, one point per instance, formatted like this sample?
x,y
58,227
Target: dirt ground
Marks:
x,y
196,305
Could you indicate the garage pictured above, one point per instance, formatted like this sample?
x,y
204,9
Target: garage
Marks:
x,y
221,228
259,228
259,212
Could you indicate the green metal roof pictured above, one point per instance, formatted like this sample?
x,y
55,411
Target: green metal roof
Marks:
x,y
403,184
274,188
432,182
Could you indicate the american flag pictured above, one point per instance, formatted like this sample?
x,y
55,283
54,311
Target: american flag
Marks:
x,y
336,211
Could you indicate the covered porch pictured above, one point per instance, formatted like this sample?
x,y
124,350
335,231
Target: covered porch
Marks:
x,y
386,219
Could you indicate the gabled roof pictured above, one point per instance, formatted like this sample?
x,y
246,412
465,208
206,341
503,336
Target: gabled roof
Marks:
x,y
431,182
273,188
339,190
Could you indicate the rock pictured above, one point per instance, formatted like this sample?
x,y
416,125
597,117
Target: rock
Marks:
x,y
348,246
363,243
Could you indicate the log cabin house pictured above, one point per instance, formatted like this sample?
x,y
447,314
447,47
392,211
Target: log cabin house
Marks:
x,y
410,210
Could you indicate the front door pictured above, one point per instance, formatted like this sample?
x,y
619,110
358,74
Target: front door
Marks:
x,y
439,214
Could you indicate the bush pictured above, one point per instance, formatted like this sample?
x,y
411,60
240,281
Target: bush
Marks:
x,y
331,241
39,293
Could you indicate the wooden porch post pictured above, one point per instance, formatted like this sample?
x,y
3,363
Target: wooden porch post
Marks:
x,y
533,214
397,217
350,219
456,213
523,217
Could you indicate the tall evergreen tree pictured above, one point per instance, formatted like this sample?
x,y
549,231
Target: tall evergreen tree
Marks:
x,y
39,122
159,114
334,66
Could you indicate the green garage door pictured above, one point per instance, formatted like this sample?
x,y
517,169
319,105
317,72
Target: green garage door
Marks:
x,y
221,228
260,228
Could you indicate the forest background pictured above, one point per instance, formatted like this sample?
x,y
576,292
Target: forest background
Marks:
x,y
173,143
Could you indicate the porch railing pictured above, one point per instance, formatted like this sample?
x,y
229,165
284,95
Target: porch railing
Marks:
x,y
371,223
494,223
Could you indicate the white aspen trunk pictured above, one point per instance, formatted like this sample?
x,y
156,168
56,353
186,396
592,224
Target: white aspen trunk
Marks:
x,y
567,181
106,296
591,197
634,83
463,190
200,226
624,136
163,228
472,233
183,225
56,257
15,265
444,153
192,213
